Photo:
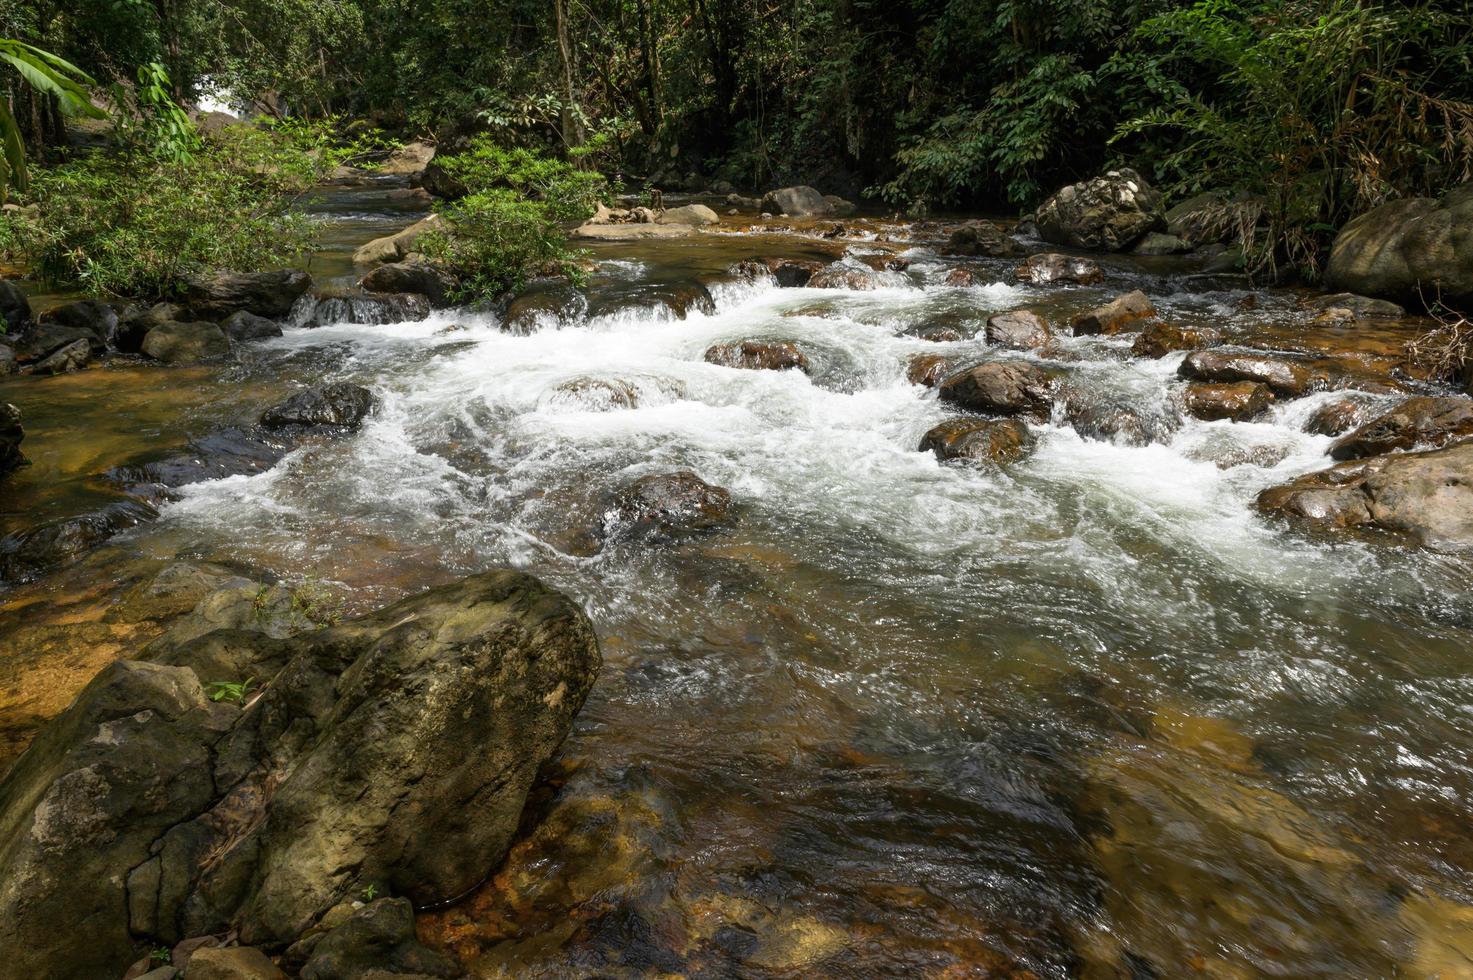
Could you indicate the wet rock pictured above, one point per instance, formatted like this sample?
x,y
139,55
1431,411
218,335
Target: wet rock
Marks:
x,y
839,207
228,452
7,360
338,405
1236,401
378,937
29,554
1426,496
45,339
251,815
370,308
1048,268
543,305
794,274
937,333
96,318
15,309
1286,379
1002,388
185,343
751,270
72,357
247,326
134,325
398,246
981,238
1417,422
1336,417
1017,330
1157,243
666,503
598,394
928,370
841,276
268,294
1108,213
234,963
1208,218
960,278
1159,339
978,440
1357,306
759,355
430,281
695,215
1114,316
1109,422
678,298
1407,250
11,435
796,202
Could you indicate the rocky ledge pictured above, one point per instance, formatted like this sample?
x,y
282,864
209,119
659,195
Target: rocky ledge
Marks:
x,y
264,790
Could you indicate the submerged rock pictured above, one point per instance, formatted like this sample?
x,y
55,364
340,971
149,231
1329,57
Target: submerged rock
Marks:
x,y
598,394
148,811
1287,379
1159,339
27,555
1426,496
978,440
370,308
11,434
338,405
937,333
1106,421
1018,330
1002,388
269,294
842,276
1107,213
1417,422
1236,401
1114,316
186,343
228,452
759,355
666,503
1047,268
543,304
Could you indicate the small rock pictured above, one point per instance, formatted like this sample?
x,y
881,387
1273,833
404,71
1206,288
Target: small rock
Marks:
x,y
665,503
1286,379
978,440
1048,268
247,326
928,370
1336,418
1159,339
1114,316
1002,388
185,343
960,278
338,405
379,936
1420,422
235,963
759,355
1018,330
72,357
1236,401
936,333
599,394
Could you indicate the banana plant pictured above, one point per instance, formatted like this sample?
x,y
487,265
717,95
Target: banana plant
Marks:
x,y
49,75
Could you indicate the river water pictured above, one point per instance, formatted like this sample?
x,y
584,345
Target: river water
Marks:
x,y
1086,714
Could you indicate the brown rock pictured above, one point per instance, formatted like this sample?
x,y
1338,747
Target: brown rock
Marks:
x,y
937,333
664,503
1047,268
838,276
759,355
978,440
928,370
1160,339
1237,401
1336,417
1286,379
1018,330
235,963
1002,388
960,277
1421,421
1114,316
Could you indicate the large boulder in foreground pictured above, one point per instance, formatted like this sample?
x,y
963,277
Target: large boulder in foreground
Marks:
x,y
1425,496
797,202
339,405
1417,422
395,750
1416,250
1105,214
268,294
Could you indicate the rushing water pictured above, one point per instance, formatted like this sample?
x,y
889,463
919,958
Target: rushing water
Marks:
x,y
1085,714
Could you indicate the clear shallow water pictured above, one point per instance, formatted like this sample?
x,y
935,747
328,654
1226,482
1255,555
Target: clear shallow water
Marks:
x,y
1086,714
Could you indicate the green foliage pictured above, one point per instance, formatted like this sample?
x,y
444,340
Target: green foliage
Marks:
x,y
47,75
134,224
333,140
235,691
370,893
566,192
497,239
155,124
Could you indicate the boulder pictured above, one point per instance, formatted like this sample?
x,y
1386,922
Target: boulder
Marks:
x,y
794,274
1048,268
428,280
928,370
1413,250
1236,401
960,279
15,309
369,308
396,247
11,435
1158,243
1420,422
1018,329
1105,421
96,318
543,305
937,333
379,936
269,294
695,215
185,343
759,355
1159,339
134,326
411,158
978,440
1002,388
664,504
148,811
44,339
839,207
1107,213
1337,417
1114,316
796,202
1208,218
72,357
233,963
840,275
1287,379
241,325
339,405
439,182
598,394
981,238
1426,496
1357,306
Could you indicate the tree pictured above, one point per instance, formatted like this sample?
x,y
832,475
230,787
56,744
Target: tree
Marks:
x,y
48,75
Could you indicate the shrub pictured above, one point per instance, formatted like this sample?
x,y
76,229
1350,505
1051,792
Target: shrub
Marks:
x,y
496,240
133,224
569,194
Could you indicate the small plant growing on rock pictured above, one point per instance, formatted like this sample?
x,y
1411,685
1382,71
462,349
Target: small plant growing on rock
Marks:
x,y
370,893
229,690
160,954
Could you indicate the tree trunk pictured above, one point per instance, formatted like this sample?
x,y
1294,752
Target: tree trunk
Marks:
x,y
572,132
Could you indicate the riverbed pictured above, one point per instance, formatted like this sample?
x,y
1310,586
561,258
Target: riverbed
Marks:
x,y
1085,714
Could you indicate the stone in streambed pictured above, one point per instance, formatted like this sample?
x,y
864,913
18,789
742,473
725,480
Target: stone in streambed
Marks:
x,y
1337,417
666,503
928,370
339,405
1002,388
1105,421
234,963
95,317
1017,330
28,554
72,357
978,440
598,394
1236,401
1114,316
759,355
1286,379
796,202
15,309
186,343
11,434
378,937
430,281
981,238
1417,422
241,325
1159,339
937,333
1048,268
268,294
1107,213
395,247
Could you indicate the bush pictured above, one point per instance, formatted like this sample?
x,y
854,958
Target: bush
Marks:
x,y
496,240
133,225
569,194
